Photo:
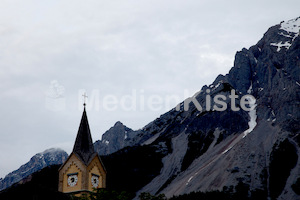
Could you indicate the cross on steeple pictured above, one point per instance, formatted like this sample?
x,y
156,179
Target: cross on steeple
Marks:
x,y
84,98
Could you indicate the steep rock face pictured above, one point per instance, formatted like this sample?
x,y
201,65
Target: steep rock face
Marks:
x,y
228,147
114,139
37,162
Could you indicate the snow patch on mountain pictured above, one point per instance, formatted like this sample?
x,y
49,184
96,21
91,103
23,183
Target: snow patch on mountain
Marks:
x,y
290,30
292,26
252,114
279,45
252,123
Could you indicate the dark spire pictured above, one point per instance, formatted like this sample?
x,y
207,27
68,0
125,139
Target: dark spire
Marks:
x,y
83,146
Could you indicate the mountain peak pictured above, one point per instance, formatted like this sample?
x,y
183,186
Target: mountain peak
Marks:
x,y
292,26
284,34
114,139
118,123
52,156
52,150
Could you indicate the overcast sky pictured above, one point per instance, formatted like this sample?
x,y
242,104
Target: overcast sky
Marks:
x,y
136,59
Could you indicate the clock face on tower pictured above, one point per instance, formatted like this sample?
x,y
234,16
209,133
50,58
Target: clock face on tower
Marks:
x,y
72,180
95,180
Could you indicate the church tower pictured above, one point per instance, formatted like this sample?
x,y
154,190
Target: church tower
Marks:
x,y
83,171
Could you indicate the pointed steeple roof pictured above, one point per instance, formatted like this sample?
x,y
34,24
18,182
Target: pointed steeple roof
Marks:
x,y
83,147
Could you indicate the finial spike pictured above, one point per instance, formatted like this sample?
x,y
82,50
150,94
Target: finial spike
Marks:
x,y
84,98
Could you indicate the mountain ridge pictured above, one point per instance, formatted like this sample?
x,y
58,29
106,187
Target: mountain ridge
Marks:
x,y
52,156
271,74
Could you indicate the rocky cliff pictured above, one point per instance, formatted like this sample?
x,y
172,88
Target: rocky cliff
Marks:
x,y
114,139
212,150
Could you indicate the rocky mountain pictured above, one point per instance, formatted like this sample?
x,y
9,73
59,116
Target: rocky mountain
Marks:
x,y
114,139
39,161
203,149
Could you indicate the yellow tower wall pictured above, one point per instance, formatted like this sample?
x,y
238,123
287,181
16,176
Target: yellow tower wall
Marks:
x,y
96,167
72,169
75,165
